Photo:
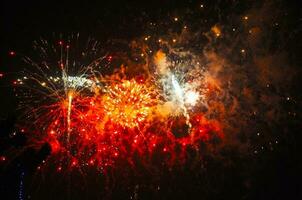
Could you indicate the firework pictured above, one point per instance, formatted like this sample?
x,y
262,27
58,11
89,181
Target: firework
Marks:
x,y
182,86
128,103
93,120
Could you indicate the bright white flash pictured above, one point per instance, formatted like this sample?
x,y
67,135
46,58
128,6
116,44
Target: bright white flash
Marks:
x,y
184,95
191,98
76,81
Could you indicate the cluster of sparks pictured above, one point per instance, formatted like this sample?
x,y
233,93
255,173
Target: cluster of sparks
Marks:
x,y
90,119
128,103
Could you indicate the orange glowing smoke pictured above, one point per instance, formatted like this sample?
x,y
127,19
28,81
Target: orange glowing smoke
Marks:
x,y
216,30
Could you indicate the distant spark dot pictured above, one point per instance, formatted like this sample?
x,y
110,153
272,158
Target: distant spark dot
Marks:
x,y
245,17
12,53
176,19
242,50
109,58
174,40
201,6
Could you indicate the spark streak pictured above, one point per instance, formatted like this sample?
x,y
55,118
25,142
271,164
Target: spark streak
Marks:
x,y
69,111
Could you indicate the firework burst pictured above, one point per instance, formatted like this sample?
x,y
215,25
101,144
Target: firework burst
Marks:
x,y
129,103
90,119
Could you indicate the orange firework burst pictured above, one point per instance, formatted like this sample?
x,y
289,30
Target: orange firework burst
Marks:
x,y
129,103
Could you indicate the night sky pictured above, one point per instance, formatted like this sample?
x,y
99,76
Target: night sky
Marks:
x,y
249,62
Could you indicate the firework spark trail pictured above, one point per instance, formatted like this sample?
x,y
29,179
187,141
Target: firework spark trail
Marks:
x,y
180,98
181,85
69,112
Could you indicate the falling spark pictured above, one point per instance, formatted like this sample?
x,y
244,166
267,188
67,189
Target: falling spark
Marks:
x,y
69,111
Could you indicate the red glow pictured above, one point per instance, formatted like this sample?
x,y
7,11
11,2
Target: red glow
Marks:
x,y
74,163
55,146
117,125
12,53
109,58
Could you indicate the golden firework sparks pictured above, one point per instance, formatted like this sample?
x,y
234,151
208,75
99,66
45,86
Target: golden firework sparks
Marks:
x,y
128,103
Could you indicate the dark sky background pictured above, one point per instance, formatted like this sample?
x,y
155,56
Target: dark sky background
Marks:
x,y
274,175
